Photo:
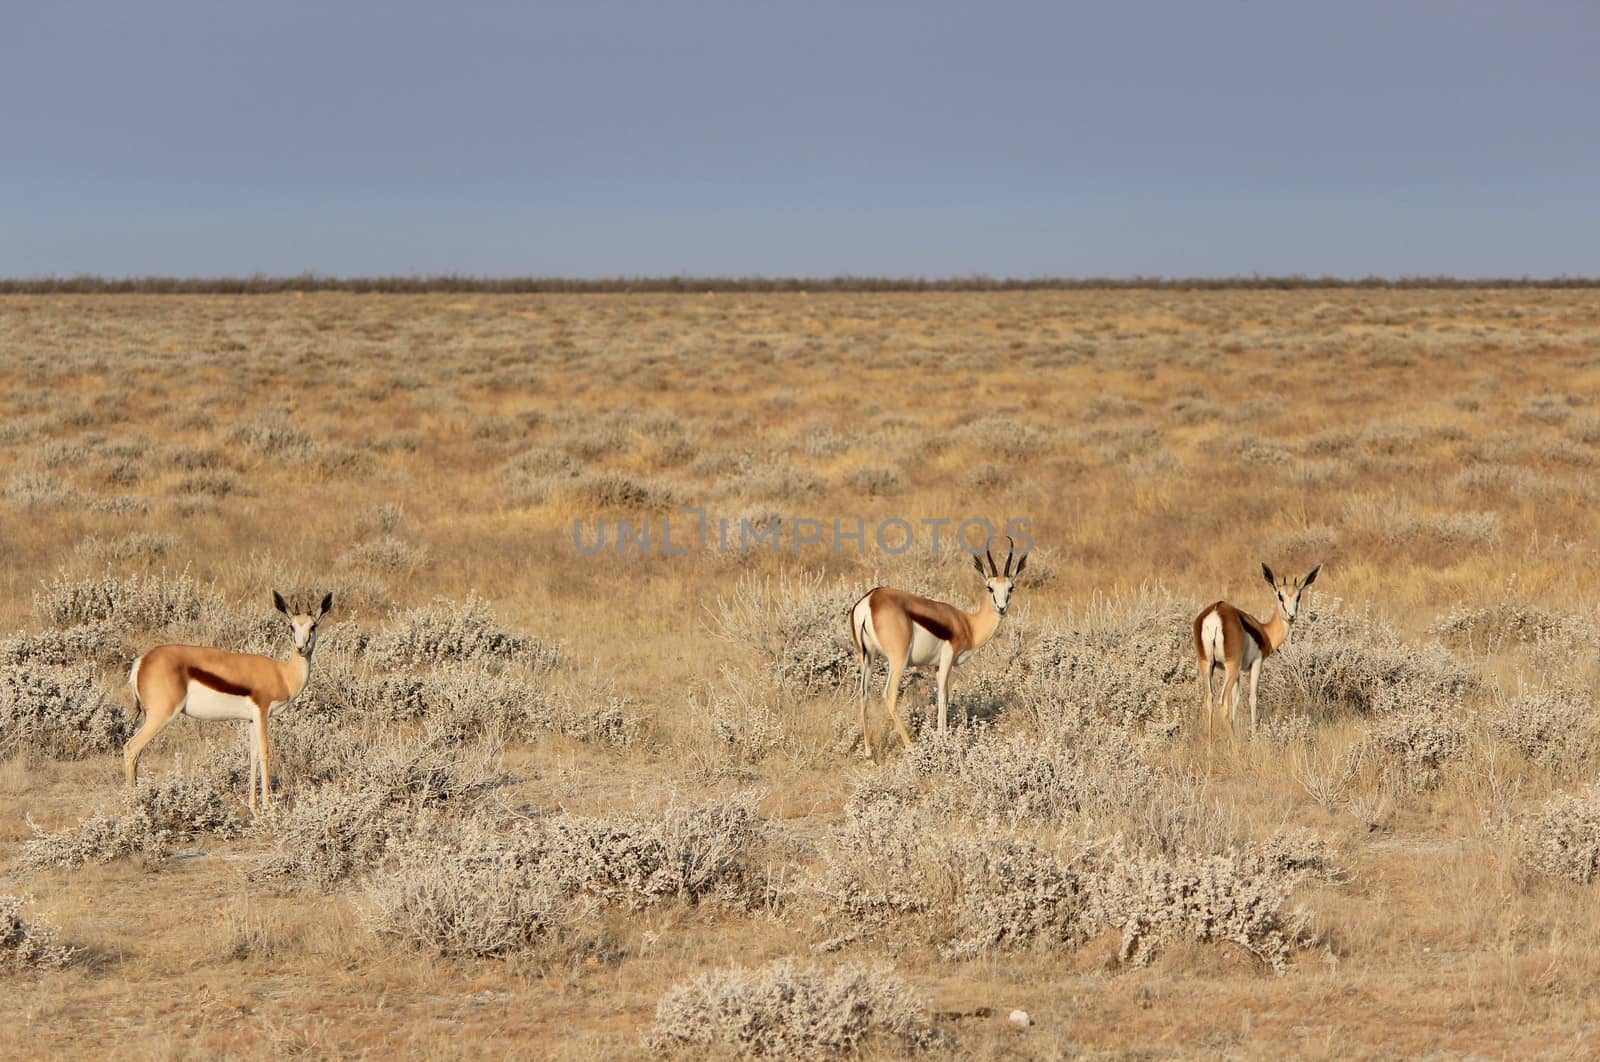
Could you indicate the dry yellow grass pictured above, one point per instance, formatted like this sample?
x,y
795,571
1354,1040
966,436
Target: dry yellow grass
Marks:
x,y
1435,449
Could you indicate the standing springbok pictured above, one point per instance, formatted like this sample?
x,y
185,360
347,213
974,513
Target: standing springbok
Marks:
x,y
907,630
206,683
1228,637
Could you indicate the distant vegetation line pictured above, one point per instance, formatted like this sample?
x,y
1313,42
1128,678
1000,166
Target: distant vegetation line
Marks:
x,y
410,285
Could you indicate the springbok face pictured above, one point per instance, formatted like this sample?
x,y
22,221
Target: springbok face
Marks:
x,y
302,625
999,583
1288,590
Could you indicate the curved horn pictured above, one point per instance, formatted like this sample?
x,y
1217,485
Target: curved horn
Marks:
x,y
993,571
1011,554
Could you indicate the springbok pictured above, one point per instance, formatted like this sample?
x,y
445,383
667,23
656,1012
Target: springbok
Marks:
x,y
912,631
1228,637
206,683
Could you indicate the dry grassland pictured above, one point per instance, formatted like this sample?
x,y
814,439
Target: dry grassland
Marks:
x,y
536,802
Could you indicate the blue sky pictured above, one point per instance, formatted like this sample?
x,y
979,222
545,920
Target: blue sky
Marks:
x,y
752,138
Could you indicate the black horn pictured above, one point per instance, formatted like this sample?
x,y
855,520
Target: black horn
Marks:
x,y
1011,555
993,571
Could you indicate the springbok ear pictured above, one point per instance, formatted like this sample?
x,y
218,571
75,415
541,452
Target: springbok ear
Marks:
x,y
1266,573
277,599
977,562
1022,562
327,604
1308,580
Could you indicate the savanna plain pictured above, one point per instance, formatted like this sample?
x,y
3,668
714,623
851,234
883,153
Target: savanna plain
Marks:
x,y
556,798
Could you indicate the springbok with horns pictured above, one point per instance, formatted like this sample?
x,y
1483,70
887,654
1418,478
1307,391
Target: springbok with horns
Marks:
x,y
1228,637
206,683
912,631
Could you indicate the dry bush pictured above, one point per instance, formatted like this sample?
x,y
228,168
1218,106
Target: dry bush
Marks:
x,y
472,698
1088,776
29,944
1338,662
896,874
385,554
1492,628
143,601
740,725
477,895
682,852
374,796
873,481
798,626
616,491
1414,747
1296,850
1008,438
271,435
58,711
1562,838
1211,899
789,1012
534,477
1125,659
31,490
485,890
178,807
1554,727
103,643
455,630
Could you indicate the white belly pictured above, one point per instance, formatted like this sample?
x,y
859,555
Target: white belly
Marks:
x,y
204,702
925,647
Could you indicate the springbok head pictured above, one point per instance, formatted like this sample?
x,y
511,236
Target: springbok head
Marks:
x,y
1000,581
303,625
1288,590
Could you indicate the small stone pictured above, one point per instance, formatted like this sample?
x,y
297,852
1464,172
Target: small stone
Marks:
x,y
1020,1019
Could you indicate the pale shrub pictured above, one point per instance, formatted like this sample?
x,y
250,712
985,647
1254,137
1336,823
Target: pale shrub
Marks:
x,y
799,628
29,944
1004,437
1414,747
1340,662
177,807
682,852
1562,838
976,772
1126,660
377,794
466,699
271,435
1296,850
1554,727
451,630
793,1012
899,875
144,601
1209,899
739,726
479,890
101,643
532,478
386,554
479,895
40,490
60,711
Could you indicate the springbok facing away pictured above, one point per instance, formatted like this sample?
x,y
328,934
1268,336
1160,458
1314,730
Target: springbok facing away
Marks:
x,y
907,630
1228,637
206,683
